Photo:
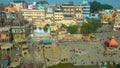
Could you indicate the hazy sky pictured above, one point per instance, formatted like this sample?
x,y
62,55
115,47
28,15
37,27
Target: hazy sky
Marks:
x,y
114,3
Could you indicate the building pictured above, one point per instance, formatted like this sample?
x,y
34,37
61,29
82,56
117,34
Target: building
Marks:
x,y
5,30
20,4
11,9
116,25
20,30
106,16
49,10
58,13
86,9
35,15
5,35
67,13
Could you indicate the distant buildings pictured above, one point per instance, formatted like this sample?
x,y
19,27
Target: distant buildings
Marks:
x,y
13,28
58,14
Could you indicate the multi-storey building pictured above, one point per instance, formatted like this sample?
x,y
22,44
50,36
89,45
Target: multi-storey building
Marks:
x,y
5,34
49,9
85,9
67,13
13,27
34,15
21,4
20,30
106,16
58,13
116,25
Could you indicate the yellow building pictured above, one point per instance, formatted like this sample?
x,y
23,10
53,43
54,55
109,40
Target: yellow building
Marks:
x,y
34,15
5,35
60,14
67,14
106,17
78,11
116,25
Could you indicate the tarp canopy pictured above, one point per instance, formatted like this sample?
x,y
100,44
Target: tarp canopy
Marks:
x,y
111,42
46,41
5,62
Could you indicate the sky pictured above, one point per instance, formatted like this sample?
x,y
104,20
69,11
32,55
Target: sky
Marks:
x,y
114,3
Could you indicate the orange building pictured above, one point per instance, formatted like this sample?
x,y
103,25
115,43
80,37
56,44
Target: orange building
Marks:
x,y
10,9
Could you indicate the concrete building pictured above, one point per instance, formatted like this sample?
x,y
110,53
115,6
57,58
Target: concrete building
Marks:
x,y
116,25
67,13
5,35
58,13
86,9
34,15
21,4
49,10
20,30
107,16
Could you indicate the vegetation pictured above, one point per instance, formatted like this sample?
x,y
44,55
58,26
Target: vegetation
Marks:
x,y
40,28
63,26
48,25
90,27
45,28
97,6
72,29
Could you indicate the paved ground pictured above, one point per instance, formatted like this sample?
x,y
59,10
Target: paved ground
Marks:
x,y
91,52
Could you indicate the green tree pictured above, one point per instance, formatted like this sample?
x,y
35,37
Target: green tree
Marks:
x,y
72,29
97,6
45,28
90,27
48,25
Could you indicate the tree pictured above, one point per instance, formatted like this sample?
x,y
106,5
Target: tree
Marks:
x,y
72,29
97,6
45,28
90,27
48,25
